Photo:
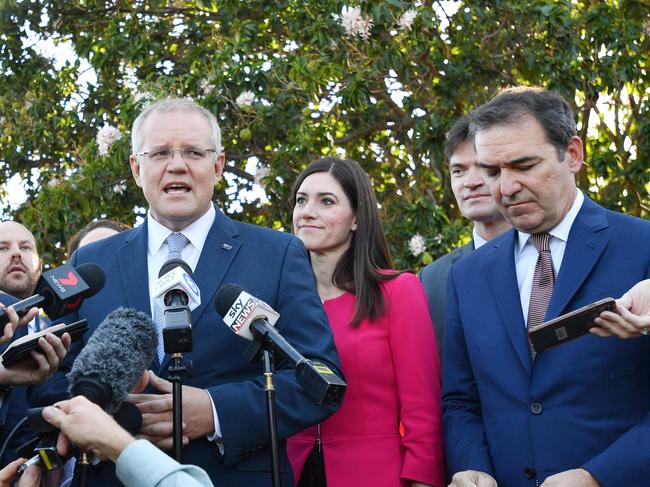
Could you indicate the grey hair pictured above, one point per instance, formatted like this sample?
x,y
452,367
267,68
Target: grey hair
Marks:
x,y
508,106
167,105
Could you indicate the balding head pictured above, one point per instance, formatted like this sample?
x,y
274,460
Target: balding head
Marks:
x,y
20,266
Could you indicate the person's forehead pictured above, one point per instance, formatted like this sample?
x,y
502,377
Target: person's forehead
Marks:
x,y
15,232
511,141
464,154
189,124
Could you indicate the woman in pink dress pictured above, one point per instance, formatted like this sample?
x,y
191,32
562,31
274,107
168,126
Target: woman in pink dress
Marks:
x,y
384,337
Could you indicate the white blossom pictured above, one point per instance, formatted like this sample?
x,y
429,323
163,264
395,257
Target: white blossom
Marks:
x,y
106,136
145,96
417,245
245,98
356,24
120,187
207,85
260,174
407,18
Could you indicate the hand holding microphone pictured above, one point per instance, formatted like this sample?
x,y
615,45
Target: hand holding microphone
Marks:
x,y
14,321
59,291
87,426
107,368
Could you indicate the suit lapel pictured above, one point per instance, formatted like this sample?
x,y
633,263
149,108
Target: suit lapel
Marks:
x,y
584,247
502,276
132,259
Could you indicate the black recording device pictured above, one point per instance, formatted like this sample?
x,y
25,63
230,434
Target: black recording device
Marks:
x,y
21,348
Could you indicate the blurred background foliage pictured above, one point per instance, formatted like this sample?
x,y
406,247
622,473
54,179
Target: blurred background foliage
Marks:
x,y
384,96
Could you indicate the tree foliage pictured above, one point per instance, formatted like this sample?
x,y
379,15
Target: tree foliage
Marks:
x,y
386,101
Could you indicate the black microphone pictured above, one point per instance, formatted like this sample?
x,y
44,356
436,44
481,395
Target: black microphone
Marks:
x,y
249,317
177,294
105,371
113,360
60,291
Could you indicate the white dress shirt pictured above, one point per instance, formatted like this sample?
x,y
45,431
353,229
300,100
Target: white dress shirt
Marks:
x,y
526,253
478,240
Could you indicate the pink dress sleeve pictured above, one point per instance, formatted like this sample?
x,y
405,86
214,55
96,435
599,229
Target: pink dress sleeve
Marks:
x,y
417,372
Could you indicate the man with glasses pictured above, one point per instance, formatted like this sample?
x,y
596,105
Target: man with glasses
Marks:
x,y
177,161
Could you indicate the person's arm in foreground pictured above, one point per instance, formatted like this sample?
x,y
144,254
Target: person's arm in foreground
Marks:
x,y
138,462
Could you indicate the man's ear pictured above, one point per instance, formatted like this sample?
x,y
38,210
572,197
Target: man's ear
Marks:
x,y
574,154
135,169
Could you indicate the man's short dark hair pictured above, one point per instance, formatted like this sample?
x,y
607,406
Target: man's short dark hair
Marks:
x,y
508,106
458,134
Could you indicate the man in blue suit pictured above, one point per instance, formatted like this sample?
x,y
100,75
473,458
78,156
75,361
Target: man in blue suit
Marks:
x,y
575,415
177,161
475,203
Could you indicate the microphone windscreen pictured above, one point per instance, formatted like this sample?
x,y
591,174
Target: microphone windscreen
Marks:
x,y
225,298
173,263
116,355
93,275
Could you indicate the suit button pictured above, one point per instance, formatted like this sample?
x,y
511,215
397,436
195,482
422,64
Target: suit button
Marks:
x,y
536,408
530,473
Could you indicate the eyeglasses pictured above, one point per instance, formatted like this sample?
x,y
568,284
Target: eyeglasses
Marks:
x,y
166,155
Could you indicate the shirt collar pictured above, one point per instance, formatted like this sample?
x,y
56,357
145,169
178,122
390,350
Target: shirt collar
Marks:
x,y
478,240
196,232
562,229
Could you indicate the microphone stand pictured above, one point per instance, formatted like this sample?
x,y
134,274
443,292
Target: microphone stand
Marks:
x,y
269,389
176,371
255,352
177,338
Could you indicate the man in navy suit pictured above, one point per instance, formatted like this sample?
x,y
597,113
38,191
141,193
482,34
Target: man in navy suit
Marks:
x,y
475,203
177,161
575,415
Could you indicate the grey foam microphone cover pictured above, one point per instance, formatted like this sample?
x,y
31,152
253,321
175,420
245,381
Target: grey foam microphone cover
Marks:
x,y
114,358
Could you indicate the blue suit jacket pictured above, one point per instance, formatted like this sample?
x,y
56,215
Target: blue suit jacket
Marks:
x,y
270,265
582,404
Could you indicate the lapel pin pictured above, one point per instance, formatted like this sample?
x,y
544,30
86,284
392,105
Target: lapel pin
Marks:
x,y
226,246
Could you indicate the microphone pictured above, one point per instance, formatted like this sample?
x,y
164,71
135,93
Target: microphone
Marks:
x,y
113,360
177,294
106,369
176,283
253,319
60,291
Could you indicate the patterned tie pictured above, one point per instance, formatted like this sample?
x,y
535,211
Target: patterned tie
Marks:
x,y
176,242
543,283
